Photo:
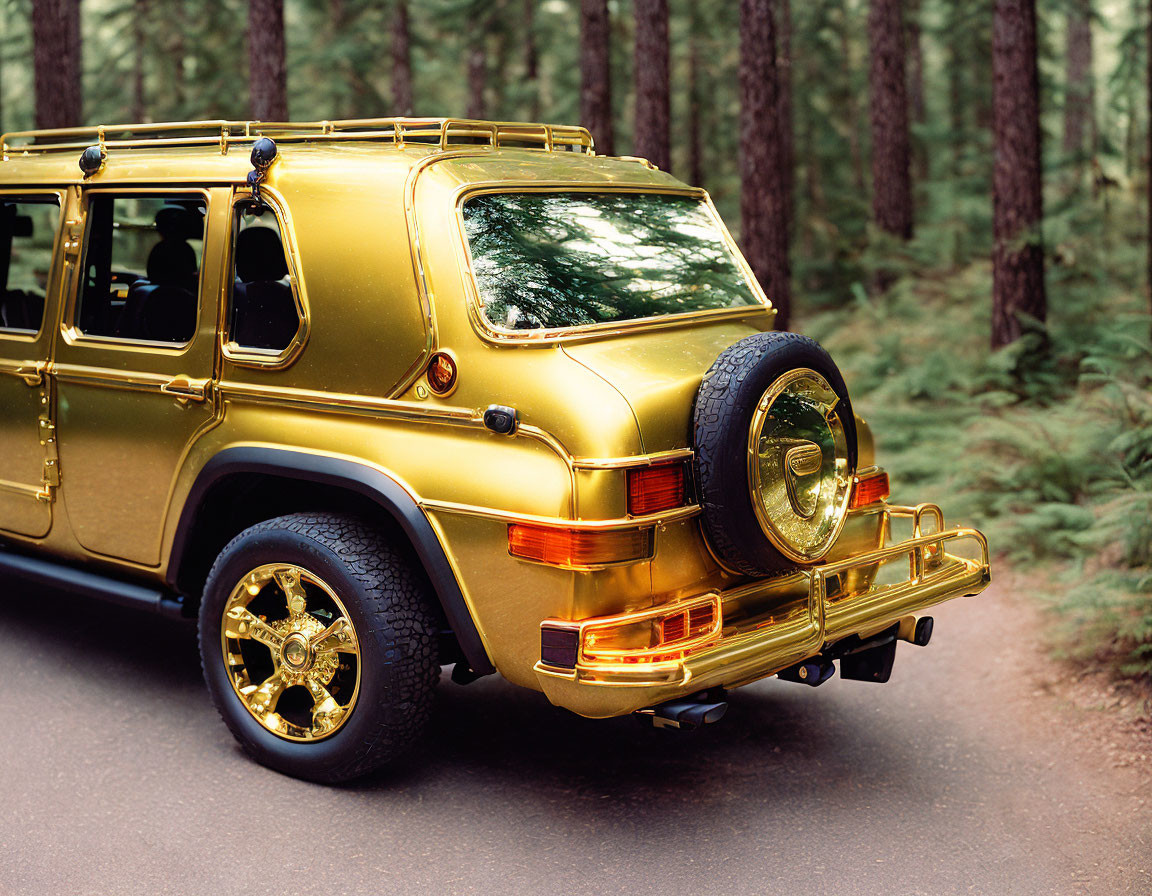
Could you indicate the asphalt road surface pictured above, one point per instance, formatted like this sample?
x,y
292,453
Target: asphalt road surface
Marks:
x,y
968,773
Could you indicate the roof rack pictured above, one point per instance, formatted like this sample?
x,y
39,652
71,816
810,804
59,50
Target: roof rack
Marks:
x,y
440,133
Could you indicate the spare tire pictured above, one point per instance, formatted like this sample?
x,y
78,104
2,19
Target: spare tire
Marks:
x,y
775,453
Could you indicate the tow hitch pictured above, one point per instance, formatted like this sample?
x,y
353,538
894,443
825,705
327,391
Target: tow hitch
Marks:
x,y
690,713
861,659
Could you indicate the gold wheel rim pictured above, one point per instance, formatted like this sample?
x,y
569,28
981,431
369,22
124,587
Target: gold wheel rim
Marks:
x,y
798,475
291,652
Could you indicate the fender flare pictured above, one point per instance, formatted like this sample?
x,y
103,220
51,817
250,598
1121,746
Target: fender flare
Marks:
x,y
361,479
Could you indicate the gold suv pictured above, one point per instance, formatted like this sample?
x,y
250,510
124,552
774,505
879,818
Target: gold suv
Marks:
x,y
373,397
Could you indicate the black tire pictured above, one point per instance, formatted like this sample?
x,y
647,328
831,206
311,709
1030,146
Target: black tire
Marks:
x,y
389,603
727,399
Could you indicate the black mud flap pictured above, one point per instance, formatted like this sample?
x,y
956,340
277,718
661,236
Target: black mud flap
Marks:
x,y
873,664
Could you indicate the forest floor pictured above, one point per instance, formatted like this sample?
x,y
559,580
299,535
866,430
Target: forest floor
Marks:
x,y
983,766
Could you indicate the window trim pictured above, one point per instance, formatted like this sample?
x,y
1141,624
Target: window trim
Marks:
x,y
490,332
39,197
266,359
70,331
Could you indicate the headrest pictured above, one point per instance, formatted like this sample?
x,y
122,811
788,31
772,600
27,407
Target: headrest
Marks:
x,y
259,255
177,222
171,261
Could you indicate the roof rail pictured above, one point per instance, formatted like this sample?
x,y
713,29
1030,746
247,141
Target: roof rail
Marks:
x,y
438,132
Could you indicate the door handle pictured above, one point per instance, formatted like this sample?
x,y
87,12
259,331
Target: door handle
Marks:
x,y
32,374
186,388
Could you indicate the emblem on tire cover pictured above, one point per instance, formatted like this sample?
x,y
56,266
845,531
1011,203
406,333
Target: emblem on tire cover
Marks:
x,y
801,461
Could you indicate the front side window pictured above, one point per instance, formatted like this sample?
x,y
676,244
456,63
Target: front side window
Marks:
x,y
27,237
557,260
263,312
142,267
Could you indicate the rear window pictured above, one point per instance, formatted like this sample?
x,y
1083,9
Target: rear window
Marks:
x,y
558,260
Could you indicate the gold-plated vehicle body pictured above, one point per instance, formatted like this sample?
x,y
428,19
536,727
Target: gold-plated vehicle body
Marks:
x,y
141,458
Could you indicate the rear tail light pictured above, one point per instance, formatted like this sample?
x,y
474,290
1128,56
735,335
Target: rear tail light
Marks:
x,y
656,488
578,547
869,489
656,635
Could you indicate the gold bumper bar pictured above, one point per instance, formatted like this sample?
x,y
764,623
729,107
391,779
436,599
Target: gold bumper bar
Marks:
x,y
770,625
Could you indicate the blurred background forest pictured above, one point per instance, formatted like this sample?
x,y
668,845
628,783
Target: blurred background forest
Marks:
x,y
952,197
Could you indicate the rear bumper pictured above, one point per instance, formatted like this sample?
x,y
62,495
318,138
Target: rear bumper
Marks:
x,y
770,625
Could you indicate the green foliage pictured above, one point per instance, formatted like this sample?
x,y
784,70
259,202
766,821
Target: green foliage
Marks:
x,y
1046,444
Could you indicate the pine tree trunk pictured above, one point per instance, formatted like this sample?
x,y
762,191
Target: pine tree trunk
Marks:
x,y
596,74
782,16
891,149
531,59
763,217
653,104
267,76
56,61
1148,53
401,61
1080,99
139,40
1018,205
477,79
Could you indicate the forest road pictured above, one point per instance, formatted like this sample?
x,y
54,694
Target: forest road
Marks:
x,y
967,773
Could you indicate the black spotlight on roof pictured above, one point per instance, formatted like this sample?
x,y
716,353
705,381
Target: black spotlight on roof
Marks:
x,y
263,155
92,159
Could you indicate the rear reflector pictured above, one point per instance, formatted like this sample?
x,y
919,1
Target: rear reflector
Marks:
x,y
869,490
578,547
652,489
558,645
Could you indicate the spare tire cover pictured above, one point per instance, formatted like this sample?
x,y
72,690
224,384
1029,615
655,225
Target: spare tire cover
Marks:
x,y
775,453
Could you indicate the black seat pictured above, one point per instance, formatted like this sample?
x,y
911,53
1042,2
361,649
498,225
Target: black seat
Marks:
x,y
264,314
162,307
20,310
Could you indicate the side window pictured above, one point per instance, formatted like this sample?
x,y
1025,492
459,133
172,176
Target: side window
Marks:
x,y
263,312
27,236
142,267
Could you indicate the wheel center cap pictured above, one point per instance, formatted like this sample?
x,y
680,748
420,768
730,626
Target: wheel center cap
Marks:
x,y
296,653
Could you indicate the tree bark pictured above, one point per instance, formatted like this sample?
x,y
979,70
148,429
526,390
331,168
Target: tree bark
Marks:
x,y
267,75
477,79
764,222
782,16
1148,53
1018,205
653,104
891,148
1080,96
401,61
596,74
56,63
531,59
139,40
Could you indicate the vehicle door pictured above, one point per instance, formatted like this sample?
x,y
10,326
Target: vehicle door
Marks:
x,y
30,222
136,364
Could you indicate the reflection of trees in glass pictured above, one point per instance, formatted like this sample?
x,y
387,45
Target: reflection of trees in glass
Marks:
x,y
545,260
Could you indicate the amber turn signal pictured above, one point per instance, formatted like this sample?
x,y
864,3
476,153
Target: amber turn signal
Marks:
x,y
656,488
869,490
578,547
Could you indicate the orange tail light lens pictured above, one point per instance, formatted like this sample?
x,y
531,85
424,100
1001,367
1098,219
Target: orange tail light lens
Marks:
x,y
869,490
656,635
652,489
578,547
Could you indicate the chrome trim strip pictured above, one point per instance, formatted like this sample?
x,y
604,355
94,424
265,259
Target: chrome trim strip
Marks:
x,y
637,522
